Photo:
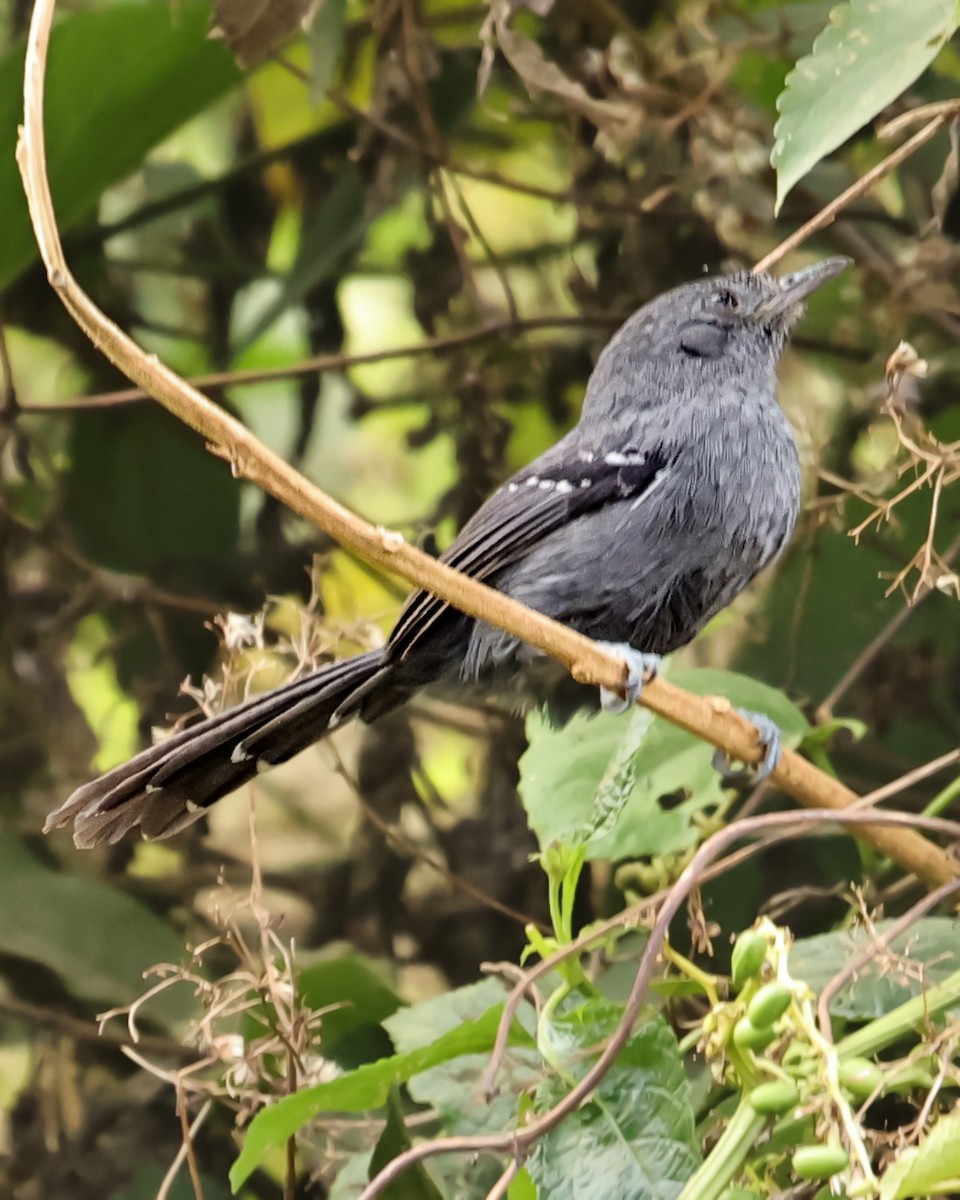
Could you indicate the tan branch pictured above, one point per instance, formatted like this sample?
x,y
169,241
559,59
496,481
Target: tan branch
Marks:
x,y
829,213
711,719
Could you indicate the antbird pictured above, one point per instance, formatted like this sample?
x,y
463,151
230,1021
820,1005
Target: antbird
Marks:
x,y
678,484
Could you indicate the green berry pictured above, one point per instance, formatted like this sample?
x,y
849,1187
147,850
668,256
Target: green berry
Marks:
x,y
769,1004
819,1162
748,1037
772,1099
749,953
860,1077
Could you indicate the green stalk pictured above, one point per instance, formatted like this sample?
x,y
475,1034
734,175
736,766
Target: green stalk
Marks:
x,y
904,1019
726,1159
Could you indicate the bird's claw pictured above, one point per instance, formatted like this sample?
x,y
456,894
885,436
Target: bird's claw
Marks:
x,y
771,740
640,667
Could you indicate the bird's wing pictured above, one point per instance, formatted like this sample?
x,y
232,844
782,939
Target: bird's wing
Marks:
x,y
539,500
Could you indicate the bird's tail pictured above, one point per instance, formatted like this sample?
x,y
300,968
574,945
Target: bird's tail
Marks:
x,y
172,783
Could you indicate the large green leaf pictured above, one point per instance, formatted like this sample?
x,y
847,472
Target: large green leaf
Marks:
x,y
97,940
931,1168
878,987
365,1088
351,990
636,1135
119,80
870,52
602,778
145,497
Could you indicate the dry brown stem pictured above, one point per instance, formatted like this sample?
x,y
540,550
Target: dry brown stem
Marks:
x,y
709,718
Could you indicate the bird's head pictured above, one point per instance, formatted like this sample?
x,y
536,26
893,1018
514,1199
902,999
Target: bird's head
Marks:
x,y
701,333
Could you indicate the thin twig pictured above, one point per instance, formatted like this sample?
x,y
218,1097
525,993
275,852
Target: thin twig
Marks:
x,y
850,969
164,1190
341,361
829,213
873,648
917,775
188,1131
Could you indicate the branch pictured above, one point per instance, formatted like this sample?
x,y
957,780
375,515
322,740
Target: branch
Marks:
x,y
711,719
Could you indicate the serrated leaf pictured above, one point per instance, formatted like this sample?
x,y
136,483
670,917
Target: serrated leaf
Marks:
x,y
636,1135
869,54
932,1167
574,781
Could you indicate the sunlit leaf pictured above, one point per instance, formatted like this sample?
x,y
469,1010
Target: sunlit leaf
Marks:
x,y
930,1168
365,1088
119,80
585,781
868,55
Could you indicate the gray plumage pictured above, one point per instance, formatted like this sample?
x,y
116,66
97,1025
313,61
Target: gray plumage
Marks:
x,y
679,483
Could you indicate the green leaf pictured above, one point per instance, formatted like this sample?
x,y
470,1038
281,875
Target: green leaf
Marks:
x,y
354,987
137,482
415,1183
877,988
452,1087
325,39
636,1135
97,940
119,80
366,1087
868,55
932,1167
584,782
337,223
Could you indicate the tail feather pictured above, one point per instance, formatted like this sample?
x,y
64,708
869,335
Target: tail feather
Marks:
x,y
169,785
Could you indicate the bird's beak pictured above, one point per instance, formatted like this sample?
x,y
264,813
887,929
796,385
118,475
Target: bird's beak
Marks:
x,y
795,287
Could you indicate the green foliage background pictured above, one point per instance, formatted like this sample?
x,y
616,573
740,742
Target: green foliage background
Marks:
x,y
355,196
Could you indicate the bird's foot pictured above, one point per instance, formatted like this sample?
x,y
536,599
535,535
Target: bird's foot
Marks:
x,y
770,739
641,669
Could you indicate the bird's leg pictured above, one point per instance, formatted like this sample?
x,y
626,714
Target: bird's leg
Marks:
x,y
640,668
770,739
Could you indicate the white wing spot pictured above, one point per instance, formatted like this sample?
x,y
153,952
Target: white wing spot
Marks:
x,y
564,486
239,755
585,483
533,481
191,806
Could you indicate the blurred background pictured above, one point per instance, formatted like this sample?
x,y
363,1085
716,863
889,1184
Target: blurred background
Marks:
x,y
399,285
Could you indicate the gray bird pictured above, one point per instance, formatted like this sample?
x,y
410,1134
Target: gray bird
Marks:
x,y
678,484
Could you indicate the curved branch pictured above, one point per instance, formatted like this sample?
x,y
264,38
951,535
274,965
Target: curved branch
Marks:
x,y
711,719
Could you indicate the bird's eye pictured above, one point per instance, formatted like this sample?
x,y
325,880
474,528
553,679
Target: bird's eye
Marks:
x,y
727,300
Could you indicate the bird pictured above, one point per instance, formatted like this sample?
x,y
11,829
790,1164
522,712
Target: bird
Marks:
x,y
678,484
